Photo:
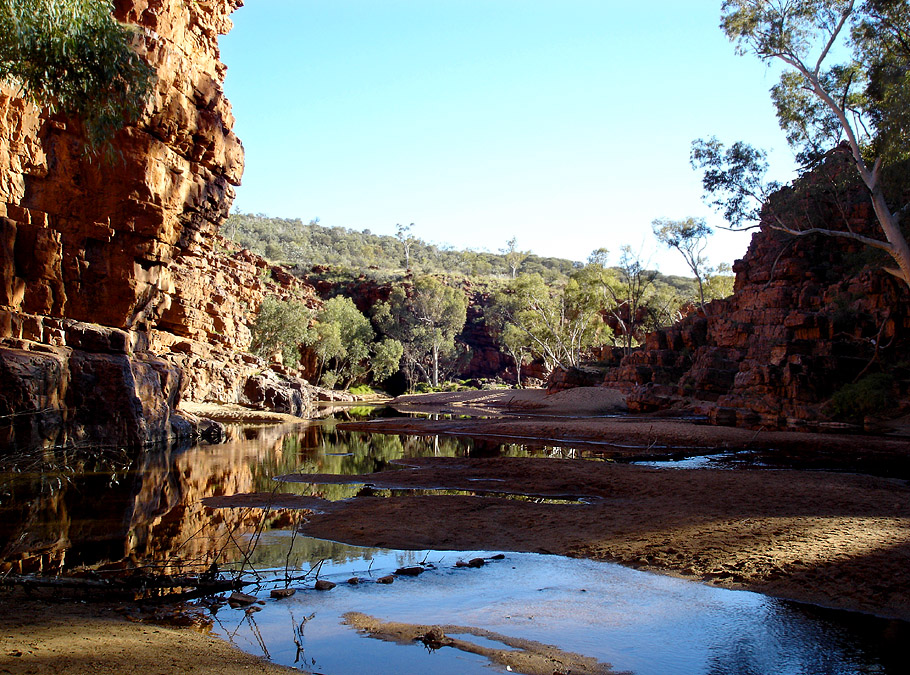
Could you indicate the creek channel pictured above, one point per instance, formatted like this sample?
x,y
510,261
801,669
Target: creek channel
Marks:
x,y
108,510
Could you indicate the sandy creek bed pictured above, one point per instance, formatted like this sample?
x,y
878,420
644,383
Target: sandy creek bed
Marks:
x,y
834,538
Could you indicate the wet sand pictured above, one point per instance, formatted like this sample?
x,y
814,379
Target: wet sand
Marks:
x,y
76,638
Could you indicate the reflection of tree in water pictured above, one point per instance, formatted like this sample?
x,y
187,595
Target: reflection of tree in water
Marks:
x,y
97,507
301,553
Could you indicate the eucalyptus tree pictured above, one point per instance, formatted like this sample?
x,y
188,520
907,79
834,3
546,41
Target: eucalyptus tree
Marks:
x,y
405,234
424,317
624,293
281,326
345,345
863,102
513,255
690,237
74,57
556,324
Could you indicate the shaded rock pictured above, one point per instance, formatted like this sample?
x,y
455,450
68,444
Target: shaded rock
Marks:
x,y
580,376
409,571
805,320
388,579
323,585
238,599
434,638
281,593
473,562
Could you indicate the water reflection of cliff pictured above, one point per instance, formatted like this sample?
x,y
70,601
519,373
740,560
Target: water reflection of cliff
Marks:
x,y
108,510
102,508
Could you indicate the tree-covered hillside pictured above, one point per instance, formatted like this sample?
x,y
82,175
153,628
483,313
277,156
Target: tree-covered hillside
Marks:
x,y
397,302
293,242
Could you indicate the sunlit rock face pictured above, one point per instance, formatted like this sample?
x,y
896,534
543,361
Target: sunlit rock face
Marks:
x,y
92,240
808,316
126,250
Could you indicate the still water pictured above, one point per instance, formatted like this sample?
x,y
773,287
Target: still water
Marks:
x,y
110,509
635,621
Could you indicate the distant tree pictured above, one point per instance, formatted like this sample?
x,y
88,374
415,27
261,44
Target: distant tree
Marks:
x,y
425,318
863,102
623,292
281,326
554,324
344,343
515,341
72,56
719,282
514,257
405,234
689,237
599,258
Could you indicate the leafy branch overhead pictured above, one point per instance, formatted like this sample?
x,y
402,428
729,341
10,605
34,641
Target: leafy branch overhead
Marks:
x,y
863,102
72,56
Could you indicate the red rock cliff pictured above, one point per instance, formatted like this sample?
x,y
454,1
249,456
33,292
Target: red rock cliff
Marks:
x,y
115,297
807,318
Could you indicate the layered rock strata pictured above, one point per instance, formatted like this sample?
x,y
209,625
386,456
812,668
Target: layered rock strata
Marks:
x,y
116,299
808,317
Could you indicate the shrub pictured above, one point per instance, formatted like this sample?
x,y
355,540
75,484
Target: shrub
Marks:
x,y
870,395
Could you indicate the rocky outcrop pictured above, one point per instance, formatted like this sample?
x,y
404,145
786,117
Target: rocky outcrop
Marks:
x,y
116,297
807,318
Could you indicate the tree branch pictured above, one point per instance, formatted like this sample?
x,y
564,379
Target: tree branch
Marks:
x,y
868,241
833,38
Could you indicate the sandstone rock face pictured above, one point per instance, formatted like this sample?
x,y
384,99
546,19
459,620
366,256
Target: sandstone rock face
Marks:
x,y
806,318
116,297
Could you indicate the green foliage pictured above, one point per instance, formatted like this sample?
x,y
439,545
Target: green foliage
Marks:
x,y
867,97
882,51
344,343
281,325
870,395
73,56
863,101
719,282
424,318
352,252
553,323
734,178
387,354
629,295
689,237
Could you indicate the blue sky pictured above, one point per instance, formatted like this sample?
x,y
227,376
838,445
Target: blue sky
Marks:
x,y
566,124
